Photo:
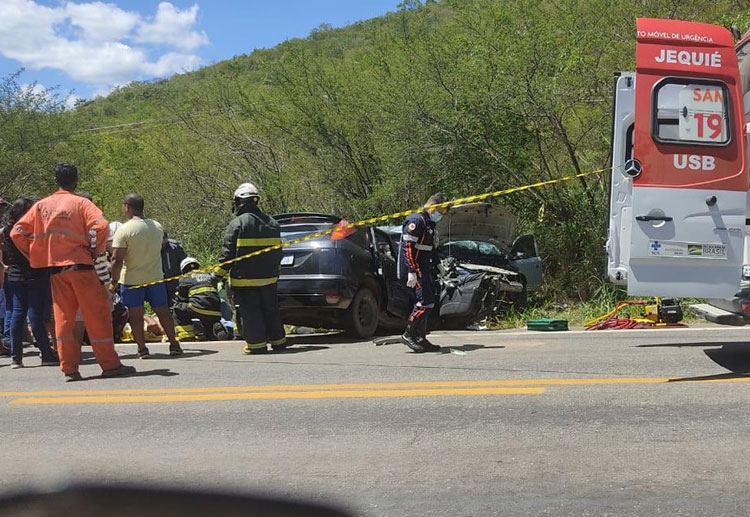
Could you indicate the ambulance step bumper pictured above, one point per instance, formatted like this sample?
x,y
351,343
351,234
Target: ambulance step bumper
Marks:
x,y
717,315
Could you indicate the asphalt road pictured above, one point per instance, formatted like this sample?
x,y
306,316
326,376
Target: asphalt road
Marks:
x,y
508,423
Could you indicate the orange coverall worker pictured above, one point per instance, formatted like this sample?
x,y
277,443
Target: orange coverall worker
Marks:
x,y
64,232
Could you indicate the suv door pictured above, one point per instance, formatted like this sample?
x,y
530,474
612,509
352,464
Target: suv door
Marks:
x,y
689,169
398,300
524,255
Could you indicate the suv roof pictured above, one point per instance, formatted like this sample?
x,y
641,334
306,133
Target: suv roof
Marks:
x,y
306,217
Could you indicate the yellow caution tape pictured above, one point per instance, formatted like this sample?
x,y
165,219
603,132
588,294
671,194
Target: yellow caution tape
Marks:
x,y
374,220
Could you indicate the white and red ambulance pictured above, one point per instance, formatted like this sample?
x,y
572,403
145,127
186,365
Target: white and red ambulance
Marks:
x,y
678,219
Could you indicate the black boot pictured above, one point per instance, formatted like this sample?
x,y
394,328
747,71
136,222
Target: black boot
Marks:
x,y
411,339
428,347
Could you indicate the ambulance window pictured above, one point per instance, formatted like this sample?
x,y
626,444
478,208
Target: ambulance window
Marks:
x,y
691,111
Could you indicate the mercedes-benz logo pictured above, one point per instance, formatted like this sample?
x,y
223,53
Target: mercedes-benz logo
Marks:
x,y
633,168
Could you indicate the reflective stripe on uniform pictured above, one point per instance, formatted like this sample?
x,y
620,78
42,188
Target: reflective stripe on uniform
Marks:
x,y
410,238
422,247
268,241
101,340
252,282
200,290
184,331
204,312
58,231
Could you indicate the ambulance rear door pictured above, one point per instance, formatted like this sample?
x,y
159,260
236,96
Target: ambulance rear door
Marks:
x,y
689,166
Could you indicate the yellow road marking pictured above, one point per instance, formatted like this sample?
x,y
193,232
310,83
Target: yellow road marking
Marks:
x,y
364,386
124,399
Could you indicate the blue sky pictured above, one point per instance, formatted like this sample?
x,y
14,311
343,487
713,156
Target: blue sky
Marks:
x,y
90,46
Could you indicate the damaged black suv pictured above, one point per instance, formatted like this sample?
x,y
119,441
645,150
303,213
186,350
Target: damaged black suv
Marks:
x,y
347,279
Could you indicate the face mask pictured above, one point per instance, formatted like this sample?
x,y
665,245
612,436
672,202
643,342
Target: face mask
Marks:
x,y
436,216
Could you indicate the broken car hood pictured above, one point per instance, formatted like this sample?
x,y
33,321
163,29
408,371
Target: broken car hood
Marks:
x,y
478,222
476,268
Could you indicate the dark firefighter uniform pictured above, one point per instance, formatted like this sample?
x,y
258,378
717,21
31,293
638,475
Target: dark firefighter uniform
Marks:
x,y
416,256
254,280
196,297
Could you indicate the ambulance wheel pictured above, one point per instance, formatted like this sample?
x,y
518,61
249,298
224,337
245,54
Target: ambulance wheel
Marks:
x,y
361,318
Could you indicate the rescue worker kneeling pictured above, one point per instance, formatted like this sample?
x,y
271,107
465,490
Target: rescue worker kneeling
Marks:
x,y
196,298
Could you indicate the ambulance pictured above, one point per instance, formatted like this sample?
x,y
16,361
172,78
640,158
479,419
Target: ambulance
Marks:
x,y
678,215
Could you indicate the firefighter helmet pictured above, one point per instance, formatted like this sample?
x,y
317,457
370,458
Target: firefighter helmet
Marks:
x,y
188,262
245,191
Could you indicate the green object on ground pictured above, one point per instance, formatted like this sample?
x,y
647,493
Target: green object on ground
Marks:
x,y
547,324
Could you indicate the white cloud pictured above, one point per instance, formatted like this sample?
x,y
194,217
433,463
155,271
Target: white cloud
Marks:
x,y
172,26
101,22
34,89
109,46
173,62
70,101
44,94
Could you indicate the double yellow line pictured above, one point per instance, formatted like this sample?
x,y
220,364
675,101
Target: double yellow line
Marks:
x,y
332,390
271,392
378,220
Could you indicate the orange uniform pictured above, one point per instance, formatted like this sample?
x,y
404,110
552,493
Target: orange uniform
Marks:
x,y
64,232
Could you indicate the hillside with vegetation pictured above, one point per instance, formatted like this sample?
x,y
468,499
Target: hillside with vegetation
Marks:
x,y
460,96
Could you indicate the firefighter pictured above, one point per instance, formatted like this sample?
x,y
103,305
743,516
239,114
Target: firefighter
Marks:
x,y
196,297
64,233
254,280
415,266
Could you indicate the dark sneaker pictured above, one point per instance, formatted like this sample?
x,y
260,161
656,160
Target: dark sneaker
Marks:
x,y
122,371
73,377
144,353
15,364
428,347
50,360
175,350
4,350
412,343
248,350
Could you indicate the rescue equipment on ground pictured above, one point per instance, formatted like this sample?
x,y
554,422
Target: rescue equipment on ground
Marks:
x,y
547,324
658,313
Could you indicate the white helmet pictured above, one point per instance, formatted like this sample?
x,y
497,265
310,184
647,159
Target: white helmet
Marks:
x,y
245,191
188,261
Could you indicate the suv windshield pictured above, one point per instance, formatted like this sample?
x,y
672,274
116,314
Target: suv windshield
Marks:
x,y
471,249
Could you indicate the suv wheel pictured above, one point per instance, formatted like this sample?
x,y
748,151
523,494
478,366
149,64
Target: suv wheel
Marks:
x,y
361,319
